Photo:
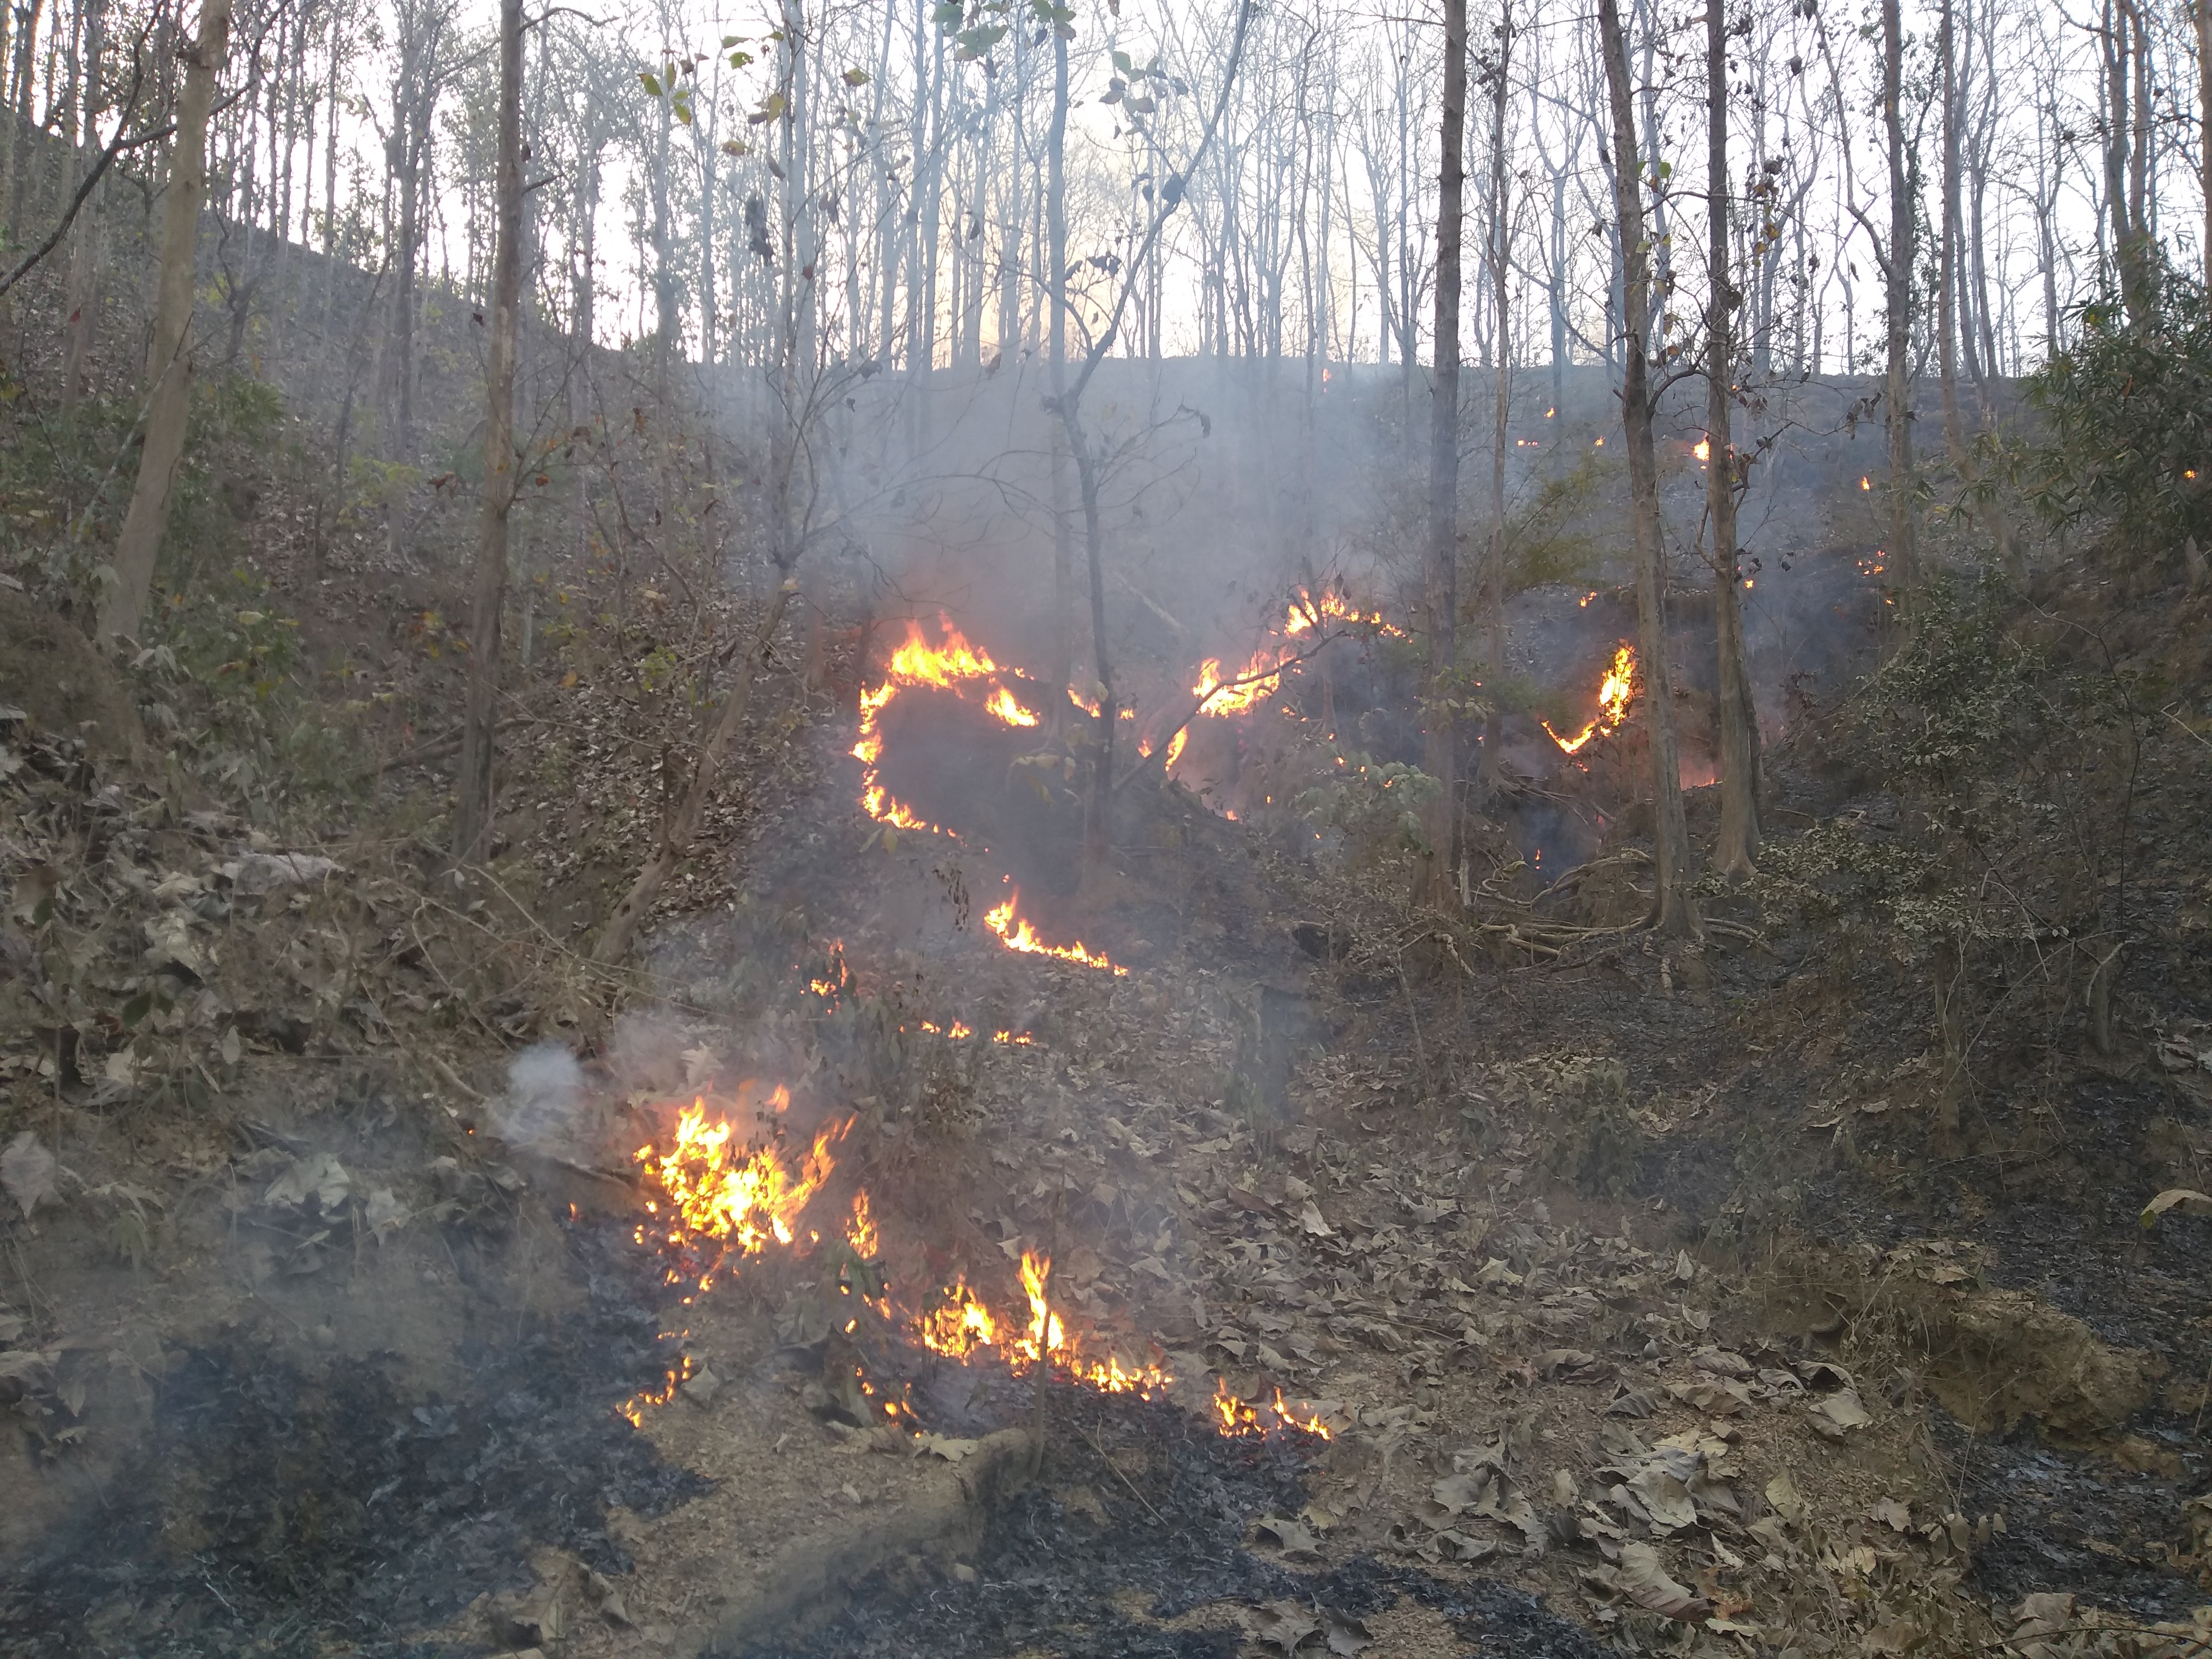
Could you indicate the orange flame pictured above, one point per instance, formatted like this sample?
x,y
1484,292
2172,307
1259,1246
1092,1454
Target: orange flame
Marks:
x,y
860,1235
962,1325
1016,935
634,1408
1613,695
1308,612
1239,1418
741,1202
916,662
1219,696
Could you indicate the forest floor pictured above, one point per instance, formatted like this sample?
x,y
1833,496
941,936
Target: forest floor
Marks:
x,y
1634,1298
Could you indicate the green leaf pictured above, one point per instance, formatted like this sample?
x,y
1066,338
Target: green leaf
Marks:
x,y
974,42
739,59
650,82
729,41
682,109
1122,63
949,14
856,77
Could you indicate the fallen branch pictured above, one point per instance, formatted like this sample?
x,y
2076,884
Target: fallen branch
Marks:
x,y
1160,748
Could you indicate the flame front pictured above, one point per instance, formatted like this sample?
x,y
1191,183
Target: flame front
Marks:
x,y
961,1327
1613,693
952,666
1016,935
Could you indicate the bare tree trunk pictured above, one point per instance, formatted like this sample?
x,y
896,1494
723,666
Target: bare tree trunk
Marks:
x,y
2204,21
473,799
1498,252
84,257
1897,270
1673,910
1440,757
169,369
1737,845
1947,307
1055,208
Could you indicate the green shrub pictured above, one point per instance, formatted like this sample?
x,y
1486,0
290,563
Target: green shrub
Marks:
x,y
2128,414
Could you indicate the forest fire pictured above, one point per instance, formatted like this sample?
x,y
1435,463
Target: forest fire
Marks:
x,y
723,1199
717,1196
955,666
1614,694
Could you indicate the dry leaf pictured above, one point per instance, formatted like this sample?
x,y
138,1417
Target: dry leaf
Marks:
x,y
1789,1503
2176,1198
27,1170
1832,1415
1281,1624
1643,1580
1291,1537
1347,1635
944,1446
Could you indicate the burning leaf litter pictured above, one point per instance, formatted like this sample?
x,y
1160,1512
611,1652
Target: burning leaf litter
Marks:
x,y
721,1201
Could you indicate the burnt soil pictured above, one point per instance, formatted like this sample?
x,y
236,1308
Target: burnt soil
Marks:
x,y
281,1502
1129,1546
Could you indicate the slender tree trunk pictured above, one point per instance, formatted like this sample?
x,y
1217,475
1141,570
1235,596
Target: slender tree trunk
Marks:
x,y
1947,307
2204,21
19,161
169,369
84,256
473,797
1737,845
1673,910
1055,210
1904,549
1498,255
1440,748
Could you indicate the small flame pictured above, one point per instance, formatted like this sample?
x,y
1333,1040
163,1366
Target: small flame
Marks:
x,y
962,1325
1613,696
1704,450
1016,935
1237,1417
1587,597
861,1234
635,1407
1308,612
1002,707
1865,482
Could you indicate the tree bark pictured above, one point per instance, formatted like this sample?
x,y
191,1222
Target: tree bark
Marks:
x,y
1440,757
169,369
84,256
1897,270
2203,19
1947,294
1673,910
1498,252
1737,845
472,804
